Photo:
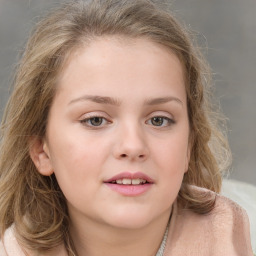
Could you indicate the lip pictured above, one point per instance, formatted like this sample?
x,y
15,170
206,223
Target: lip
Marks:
x,y
130,190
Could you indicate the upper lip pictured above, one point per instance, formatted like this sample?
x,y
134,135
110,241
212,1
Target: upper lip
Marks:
x,y
129,175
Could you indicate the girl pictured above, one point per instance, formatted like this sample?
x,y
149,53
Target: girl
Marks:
x,y
109,144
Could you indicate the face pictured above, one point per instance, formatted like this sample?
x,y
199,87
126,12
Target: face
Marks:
x,y
117,136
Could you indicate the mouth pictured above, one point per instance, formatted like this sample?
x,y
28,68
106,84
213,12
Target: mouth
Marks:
x,y
126,181
128,178
130,184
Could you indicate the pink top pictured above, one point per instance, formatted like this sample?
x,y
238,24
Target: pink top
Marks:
x,y
222,232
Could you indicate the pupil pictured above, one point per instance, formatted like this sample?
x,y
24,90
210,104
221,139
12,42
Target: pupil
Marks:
x,y
157,121
96,121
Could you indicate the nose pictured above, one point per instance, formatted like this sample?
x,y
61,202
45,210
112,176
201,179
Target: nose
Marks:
x,y
131,144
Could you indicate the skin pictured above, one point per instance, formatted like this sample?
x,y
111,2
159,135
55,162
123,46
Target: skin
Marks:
x,y
133,73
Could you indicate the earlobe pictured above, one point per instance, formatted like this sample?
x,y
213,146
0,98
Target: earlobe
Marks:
x,y
39,154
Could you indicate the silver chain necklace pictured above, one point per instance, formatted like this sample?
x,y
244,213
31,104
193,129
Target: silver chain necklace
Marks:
x,y
160,251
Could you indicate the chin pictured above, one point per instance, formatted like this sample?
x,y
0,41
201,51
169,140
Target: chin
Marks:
x,y
130,218
130,223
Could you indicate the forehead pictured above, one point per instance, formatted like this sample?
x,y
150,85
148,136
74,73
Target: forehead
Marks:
x,y
121,61
106,45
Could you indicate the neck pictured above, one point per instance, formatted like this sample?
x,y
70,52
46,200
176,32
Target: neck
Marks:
x,y
97,239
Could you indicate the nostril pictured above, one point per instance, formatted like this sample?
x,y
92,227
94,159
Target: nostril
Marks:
x,y
125,156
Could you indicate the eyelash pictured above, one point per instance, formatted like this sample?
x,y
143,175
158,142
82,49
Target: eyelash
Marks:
x,y
103,121
163,118
87,121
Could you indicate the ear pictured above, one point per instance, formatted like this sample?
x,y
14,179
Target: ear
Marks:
x,y
39,154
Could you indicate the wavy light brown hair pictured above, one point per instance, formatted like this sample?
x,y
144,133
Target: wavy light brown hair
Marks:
x,y
35,203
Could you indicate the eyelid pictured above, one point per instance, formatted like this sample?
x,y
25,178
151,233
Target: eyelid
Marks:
x,y
161,114
94,114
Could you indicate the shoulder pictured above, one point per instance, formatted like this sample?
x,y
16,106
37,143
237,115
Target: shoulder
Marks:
x,y
229,214
9,245
230,221
224,209
223,231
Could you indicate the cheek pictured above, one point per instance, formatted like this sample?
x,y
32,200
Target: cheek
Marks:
x,y
77,158
76,169
171,164
172,154
73,145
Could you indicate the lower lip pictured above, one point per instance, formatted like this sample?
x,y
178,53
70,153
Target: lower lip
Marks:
x,y
130,190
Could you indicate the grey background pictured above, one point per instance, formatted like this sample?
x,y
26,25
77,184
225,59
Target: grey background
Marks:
x,y
226,27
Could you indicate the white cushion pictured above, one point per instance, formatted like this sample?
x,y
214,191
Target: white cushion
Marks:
x,y
245,195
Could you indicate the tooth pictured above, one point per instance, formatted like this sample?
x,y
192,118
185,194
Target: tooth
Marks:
x,y
136,181
127,181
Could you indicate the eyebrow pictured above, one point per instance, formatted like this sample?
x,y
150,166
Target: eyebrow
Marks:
x,y
113,101
97,99
162,100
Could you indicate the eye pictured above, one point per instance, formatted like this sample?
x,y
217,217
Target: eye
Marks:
x,y
160,121
94,121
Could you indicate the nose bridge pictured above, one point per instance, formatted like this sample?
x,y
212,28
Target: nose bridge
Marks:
x,y
131,141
